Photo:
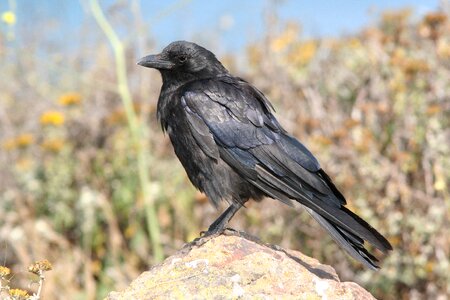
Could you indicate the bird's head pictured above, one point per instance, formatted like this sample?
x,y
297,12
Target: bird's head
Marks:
x,y
184,61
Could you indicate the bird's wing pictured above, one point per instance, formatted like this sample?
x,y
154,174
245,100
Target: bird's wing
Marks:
x,y
251,141
237,119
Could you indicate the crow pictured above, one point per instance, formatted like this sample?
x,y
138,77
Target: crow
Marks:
x,y
232,147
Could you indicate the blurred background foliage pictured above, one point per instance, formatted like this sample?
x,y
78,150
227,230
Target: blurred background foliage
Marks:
x,y
374,106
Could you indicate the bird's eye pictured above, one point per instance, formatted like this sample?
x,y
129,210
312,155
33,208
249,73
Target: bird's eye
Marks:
x,y
182,58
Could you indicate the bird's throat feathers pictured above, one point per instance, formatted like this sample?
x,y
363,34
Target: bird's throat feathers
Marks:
x,y
173,80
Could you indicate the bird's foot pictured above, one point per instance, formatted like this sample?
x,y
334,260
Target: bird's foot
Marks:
x,y
217,227
205,237
211,233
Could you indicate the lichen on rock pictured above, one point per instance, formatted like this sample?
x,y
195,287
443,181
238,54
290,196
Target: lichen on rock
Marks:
x,y
237,266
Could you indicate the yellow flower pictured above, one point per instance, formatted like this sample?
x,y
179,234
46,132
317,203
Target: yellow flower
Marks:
x,y
24,164
24,140
395,240
40,266
9,144
52,118
4,271
433,109
443,49
21,141
70,99
398,56
130,231
354,43
18,294
9,17
322,140
303,53
429,266
439,184
254,54
53,145
116,117
286,38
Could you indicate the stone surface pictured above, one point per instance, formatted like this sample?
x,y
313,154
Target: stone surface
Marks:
x,y
238,267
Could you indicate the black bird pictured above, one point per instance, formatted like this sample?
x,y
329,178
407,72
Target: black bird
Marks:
x,y
233,148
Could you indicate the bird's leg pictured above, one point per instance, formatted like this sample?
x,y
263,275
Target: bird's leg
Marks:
x,y
219,225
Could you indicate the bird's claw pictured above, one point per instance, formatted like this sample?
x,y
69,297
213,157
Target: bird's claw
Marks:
x,y
205,236
209,234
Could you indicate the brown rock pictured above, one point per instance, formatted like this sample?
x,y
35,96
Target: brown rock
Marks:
x,y
232,267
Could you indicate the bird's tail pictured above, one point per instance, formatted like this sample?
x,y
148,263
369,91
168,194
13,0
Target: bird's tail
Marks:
x,y
352,244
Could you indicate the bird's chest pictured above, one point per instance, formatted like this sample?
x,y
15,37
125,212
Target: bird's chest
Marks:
x,y
184,144
193,159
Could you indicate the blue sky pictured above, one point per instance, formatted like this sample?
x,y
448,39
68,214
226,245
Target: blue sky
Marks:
x,y
228,23
318,18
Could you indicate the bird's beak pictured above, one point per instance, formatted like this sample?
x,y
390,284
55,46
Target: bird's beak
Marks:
x,y
155,61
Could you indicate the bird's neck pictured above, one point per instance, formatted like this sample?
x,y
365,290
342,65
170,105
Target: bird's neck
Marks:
x,y
174,80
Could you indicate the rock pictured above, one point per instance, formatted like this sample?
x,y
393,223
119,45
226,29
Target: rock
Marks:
x,y
238,266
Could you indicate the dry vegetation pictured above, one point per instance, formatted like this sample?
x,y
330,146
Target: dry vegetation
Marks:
x,y
374,107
